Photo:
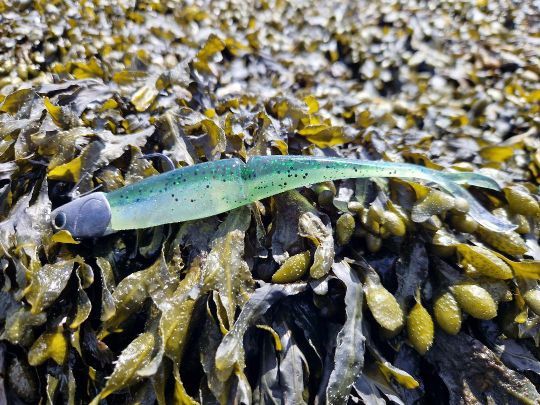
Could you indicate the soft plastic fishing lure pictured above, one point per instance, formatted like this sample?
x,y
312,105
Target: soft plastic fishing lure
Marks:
x,y
211,188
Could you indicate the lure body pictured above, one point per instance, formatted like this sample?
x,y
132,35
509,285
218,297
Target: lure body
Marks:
x,y
211,188
192,192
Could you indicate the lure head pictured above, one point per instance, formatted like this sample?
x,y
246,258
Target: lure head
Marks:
x,y
85,217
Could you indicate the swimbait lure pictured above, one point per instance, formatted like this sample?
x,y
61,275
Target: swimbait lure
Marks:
x,y
211,188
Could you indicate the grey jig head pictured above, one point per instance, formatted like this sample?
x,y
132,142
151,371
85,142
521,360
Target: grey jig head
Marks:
x,y
85,217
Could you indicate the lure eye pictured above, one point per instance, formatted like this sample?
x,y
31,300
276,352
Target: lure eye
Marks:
x,y
59,220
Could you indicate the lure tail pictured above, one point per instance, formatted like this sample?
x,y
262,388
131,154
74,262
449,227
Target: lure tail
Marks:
x,y
270,175
476,211
472,179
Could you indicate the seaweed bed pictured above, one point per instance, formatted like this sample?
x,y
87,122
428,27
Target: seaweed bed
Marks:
x,y
353,291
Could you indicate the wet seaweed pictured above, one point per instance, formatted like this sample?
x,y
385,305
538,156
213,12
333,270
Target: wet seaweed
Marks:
x,y
368,291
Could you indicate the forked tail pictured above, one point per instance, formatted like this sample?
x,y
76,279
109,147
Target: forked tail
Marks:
x,y
472,179
476,210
